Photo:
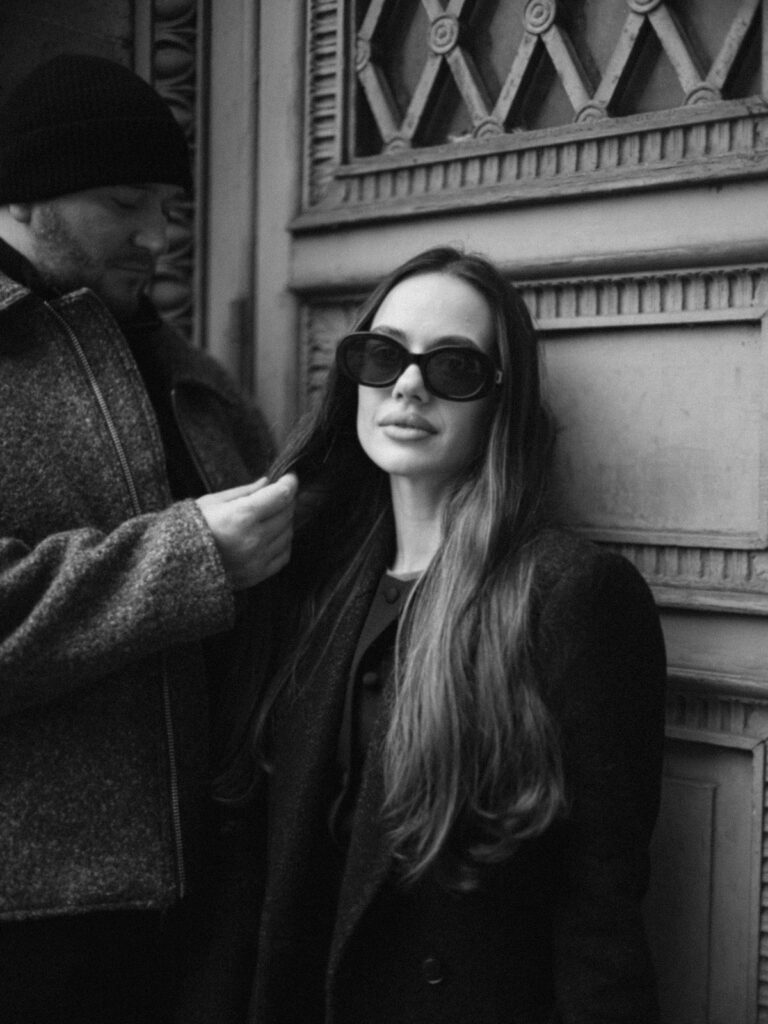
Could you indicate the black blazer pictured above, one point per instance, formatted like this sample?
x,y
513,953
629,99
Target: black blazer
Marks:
x,y
553,934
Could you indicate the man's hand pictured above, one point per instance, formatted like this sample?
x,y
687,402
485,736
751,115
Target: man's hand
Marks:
x,y
252,527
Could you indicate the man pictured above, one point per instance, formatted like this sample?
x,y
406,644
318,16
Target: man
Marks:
x,y
130,515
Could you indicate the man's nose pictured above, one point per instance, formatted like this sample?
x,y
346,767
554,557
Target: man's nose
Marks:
x,y
152,231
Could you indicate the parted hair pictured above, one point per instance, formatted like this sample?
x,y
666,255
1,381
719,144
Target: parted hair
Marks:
x,y
471,759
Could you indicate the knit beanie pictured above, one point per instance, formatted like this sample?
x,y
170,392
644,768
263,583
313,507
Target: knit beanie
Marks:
x,y
79,122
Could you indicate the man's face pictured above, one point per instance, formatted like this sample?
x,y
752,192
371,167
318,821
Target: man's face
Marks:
x,y
107,239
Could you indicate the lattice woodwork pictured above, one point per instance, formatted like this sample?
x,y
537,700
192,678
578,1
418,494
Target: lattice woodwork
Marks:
x,y
378,148
450,35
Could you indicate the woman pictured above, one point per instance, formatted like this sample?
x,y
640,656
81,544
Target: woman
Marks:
x,y
459,752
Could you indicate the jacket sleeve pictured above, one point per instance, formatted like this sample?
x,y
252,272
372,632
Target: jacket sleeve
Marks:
x,y
606,677
82,604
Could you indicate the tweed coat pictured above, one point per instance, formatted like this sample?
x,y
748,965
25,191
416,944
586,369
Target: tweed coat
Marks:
x,y
106,589
553,934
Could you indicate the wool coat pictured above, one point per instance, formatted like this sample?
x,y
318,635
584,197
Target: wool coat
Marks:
x,y
106,589
553,934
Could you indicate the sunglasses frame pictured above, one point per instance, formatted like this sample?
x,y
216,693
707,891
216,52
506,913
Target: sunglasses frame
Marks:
x,y
421,359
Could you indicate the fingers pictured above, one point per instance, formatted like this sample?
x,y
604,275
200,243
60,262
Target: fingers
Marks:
x,y
262,498
233,493
272,499
277,525
281,491
275,556
252,527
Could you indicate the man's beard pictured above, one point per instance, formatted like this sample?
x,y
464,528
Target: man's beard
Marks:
x,y
64,265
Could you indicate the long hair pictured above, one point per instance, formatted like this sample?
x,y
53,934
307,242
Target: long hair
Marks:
x,y
471,762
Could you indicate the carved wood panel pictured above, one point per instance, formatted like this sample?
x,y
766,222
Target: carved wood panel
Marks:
x,y
166,52
414,109
454,39
726,306
705,908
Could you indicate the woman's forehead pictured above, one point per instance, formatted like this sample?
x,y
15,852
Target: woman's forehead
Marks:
x,y
429,305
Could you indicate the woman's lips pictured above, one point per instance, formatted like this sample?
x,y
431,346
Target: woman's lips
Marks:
x,y
407,421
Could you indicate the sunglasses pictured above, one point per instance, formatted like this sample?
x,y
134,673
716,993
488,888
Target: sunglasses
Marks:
x,y
460,373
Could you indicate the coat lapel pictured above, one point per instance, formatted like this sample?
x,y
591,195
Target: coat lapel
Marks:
x,y
307,725
368,859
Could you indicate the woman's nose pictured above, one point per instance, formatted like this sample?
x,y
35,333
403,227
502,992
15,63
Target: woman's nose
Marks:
x,y
410,384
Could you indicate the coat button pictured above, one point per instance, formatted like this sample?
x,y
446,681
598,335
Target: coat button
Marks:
x,y
432,970
391,594
371,680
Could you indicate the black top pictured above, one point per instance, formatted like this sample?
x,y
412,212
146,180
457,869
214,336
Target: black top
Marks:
x,y
371,669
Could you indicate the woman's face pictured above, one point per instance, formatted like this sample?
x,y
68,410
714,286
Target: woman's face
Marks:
x,y
404,429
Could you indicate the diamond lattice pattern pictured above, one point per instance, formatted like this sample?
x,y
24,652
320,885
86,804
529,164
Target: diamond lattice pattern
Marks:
x,y
549,51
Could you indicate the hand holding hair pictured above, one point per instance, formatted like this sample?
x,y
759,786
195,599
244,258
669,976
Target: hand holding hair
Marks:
x,y
253,528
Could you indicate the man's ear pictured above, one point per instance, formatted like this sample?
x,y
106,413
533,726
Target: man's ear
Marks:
x,y
22,212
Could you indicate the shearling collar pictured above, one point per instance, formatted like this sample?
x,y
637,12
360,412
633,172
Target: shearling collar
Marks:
x,y
20,271
16,274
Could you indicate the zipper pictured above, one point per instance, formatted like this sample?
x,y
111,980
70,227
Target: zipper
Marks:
x,y
173,772
173,783
106,415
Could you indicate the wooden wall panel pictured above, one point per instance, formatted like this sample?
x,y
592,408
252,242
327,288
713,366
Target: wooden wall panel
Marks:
x,y
678,910
662,438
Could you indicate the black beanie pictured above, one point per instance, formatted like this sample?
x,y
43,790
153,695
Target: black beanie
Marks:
x,y
79,122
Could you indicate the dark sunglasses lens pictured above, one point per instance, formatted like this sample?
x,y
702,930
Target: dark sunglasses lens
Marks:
x,y
458,373
372,361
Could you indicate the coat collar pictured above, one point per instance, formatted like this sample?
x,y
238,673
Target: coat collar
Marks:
x,y
20,281
368,858
11,292
18,277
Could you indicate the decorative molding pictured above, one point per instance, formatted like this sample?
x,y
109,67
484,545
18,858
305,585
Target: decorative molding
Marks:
x,y
323,323
706,139
710,703
691,295
323,97
705,579
680,147
171,34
